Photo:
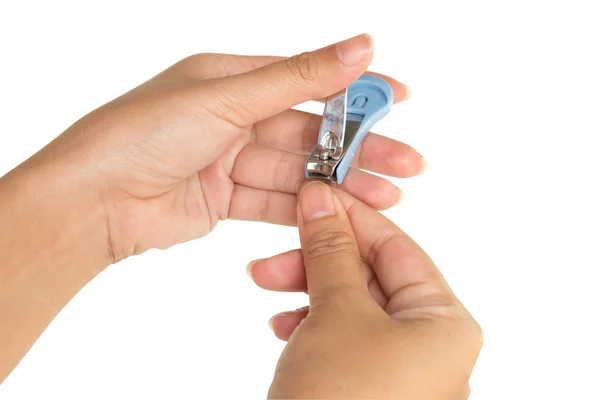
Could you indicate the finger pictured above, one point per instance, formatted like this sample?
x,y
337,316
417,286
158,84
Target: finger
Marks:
x,y
376,290
282,273
407,275
284,324
464,392
329,248
249,204
297,131
285,273
400,91
275,170
213,65
249,97
373,190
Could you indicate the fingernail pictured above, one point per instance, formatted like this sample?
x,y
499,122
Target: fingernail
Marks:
x,y
316,201
287,313
271,321
249,268
408,92
424,167
355,50
400,197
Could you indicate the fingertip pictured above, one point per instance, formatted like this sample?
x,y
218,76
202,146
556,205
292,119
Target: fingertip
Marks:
x,y
423,166
271,322
356,50
408,92
390,197
256,272
284,324
316,201
283,272
400,197
409,164
401,91
373,190
249,268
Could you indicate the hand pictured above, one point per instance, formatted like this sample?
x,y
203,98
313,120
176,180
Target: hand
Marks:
x,y
210,138
382,322
213,138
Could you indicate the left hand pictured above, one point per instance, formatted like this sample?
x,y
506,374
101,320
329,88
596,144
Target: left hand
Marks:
x,y
210,138
213,138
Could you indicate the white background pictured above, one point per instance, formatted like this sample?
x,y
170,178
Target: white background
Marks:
x,y
505,107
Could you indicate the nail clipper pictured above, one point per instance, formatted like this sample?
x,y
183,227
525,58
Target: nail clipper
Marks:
x,y
348,117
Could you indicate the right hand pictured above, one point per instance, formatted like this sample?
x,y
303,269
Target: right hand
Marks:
x,y
385,327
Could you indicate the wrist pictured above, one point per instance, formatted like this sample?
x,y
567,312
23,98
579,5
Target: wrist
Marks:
x,y
52,242
52,220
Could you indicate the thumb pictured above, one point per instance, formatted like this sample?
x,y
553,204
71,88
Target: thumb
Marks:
x,y
331,255
249,97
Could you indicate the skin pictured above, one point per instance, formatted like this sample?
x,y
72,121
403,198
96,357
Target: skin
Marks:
x,y
210,138
382,322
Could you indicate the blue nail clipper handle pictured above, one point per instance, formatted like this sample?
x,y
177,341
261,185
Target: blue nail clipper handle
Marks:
x,y
348,117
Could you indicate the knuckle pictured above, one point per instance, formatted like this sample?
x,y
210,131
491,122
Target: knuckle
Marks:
x,y
263,210
283,175
326,242
192,62
205,65
304,66
195,66
227,105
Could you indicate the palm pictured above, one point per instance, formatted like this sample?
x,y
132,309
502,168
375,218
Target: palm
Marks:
x,y
192,168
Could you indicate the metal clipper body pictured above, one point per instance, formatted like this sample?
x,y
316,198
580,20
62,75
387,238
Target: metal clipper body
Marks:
x,y
348,117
